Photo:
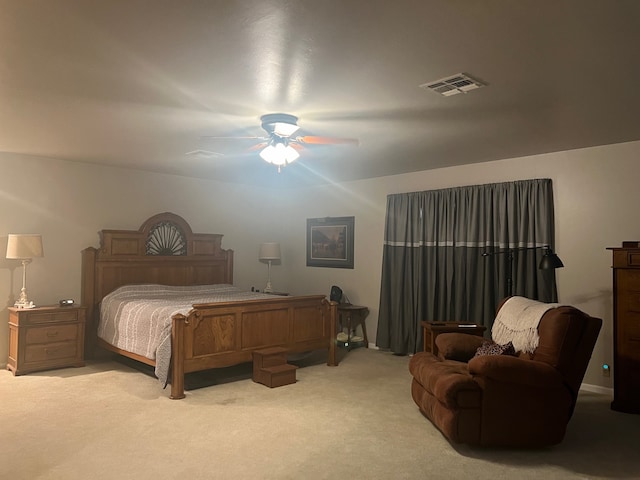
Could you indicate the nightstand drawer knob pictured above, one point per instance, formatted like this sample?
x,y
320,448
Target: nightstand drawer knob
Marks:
x,y
52,334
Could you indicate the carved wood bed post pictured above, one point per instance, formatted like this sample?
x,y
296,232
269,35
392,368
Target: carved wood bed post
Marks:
x,y
177,357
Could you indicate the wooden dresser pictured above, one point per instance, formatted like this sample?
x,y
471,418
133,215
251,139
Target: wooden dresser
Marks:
x,y
44,338
626,328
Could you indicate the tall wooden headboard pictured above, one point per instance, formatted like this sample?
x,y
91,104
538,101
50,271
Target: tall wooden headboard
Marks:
x,y
164,251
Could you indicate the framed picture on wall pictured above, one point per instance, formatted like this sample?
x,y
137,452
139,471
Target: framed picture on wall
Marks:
x,y
330,242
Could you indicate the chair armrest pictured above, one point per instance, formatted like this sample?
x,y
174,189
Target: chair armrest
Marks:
x,y
515,370
458,346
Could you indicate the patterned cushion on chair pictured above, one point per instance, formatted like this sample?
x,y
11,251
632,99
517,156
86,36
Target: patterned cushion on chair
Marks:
x,y
491,348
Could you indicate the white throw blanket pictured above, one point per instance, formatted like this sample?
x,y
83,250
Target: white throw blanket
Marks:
x,y
517,322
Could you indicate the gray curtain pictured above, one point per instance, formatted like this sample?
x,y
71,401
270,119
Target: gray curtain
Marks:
x,y
433,266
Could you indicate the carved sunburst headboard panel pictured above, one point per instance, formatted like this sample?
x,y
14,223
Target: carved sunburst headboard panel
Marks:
x,y
166,238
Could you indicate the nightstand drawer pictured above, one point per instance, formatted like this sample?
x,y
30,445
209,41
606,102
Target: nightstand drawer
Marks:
x,y
54,333
59,315
51,351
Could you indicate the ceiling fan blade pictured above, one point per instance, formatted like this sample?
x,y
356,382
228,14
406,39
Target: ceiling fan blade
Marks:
x,y
204,154
239,137
314,140
257,146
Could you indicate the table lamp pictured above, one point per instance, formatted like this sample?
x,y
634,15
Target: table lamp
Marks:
x,y
269,252
24,247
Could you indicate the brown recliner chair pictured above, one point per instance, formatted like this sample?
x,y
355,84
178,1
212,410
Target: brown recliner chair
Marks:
x,y
524,400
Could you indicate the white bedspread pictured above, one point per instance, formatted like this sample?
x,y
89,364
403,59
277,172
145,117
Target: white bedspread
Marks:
x,y
137,318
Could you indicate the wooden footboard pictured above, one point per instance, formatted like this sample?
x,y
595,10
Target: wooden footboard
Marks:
x,y
224,334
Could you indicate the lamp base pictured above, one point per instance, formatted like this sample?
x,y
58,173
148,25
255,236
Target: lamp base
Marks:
x,y
20,304
22,301
268,288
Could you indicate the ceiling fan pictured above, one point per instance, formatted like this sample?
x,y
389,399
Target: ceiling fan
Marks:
x,y
281,145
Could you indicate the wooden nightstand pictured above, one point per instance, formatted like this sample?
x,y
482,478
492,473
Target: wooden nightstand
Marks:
x,y
44,338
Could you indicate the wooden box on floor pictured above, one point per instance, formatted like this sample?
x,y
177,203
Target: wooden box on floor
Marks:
x,y
270,367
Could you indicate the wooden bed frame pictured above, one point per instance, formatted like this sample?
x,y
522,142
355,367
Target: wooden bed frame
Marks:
x,y
165,251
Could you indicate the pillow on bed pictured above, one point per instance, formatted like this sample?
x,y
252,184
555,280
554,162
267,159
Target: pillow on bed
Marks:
x,y
491,348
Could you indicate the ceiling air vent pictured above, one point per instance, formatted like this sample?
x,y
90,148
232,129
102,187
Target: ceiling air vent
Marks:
x,y
459,83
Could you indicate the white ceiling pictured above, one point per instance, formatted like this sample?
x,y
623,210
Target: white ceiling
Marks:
x,y
138,83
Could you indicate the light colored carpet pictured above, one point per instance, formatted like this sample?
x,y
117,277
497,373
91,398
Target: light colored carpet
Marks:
x,y
357,420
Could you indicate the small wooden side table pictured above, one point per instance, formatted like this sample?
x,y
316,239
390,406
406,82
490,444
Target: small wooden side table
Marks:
x,y
431,330
350,316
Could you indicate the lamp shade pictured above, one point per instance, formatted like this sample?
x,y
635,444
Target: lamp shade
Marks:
x,y
22,246
269,251
550,260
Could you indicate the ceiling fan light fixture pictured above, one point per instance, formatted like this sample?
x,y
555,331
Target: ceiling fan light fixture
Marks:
x,y
280,147
281,124
279,154
291,154
268,153
285,129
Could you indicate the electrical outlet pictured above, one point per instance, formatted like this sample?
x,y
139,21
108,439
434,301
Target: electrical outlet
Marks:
x,y
606,371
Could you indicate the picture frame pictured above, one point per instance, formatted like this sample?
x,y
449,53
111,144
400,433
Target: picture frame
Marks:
x,y
330,242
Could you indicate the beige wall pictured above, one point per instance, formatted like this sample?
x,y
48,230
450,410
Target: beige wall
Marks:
x,y
595,199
